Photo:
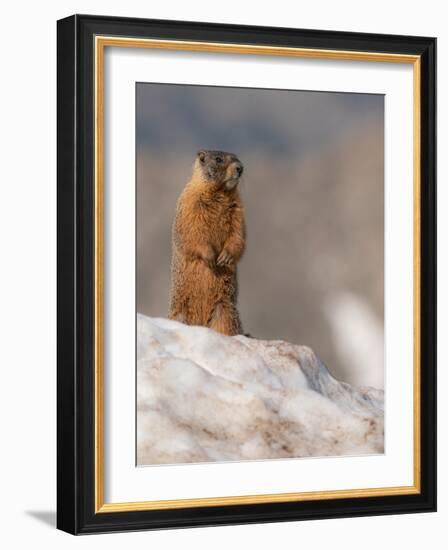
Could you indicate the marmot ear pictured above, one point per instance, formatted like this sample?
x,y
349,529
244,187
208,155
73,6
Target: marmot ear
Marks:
x,y
201,155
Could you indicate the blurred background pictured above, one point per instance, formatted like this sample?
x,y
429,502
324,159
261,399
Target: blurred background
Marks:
x,y
313,194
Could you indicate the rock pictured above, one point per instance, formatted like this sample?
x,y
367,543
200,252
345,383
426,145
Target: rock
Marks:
x,y
204,397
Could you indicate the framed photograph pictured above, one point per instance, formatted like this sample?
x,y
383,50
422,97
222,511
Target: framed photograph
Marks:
x,y
246,274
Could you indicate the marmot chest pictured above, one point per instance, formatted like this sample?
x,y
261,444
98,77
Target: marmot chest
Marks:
x,y
216,216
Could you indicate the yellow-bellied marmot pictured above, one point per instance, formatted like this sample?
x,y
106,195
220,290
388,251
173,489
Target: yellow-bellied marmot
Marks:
x,y
208,239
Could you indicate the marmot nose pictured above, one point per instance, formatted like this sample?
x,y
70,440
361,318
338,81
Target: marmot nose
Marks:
x,y
239,169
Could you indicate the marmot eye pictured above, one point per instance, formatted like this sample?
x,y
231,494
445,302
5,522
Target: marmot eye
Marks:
x,y
219,160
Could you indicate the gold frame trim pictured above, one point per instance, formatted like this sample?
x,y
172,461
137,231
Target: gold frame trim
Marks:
x,y
101,42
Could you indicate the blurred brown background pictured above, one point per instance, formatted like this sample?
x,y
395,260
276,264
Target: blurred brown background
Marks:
x,y
313,193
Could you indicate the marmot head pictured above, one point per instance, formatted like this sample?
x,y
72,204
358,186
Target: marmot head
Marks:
x,y
219,168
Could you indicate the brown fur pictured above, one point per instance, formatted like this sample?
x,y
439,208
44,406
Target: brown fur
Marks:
x,y
208,240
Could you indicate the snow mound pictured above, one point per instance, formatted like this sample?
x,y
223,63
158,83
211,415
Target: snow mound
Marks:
x,y
205,397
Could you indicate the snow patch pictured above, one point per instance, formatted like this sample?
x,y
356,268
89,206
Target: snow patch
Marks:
x,y
205,397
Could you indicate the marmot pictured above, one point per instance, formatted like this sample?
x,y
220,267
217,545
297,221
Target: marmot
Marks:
x,y
208,239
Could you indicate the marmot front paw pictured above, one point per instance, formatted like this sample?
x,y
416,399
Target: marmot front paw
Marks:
x,y
225,258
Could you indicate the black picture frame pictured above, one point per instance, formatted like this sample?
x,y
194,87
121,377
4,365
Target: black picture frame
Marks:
x,y
76,253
